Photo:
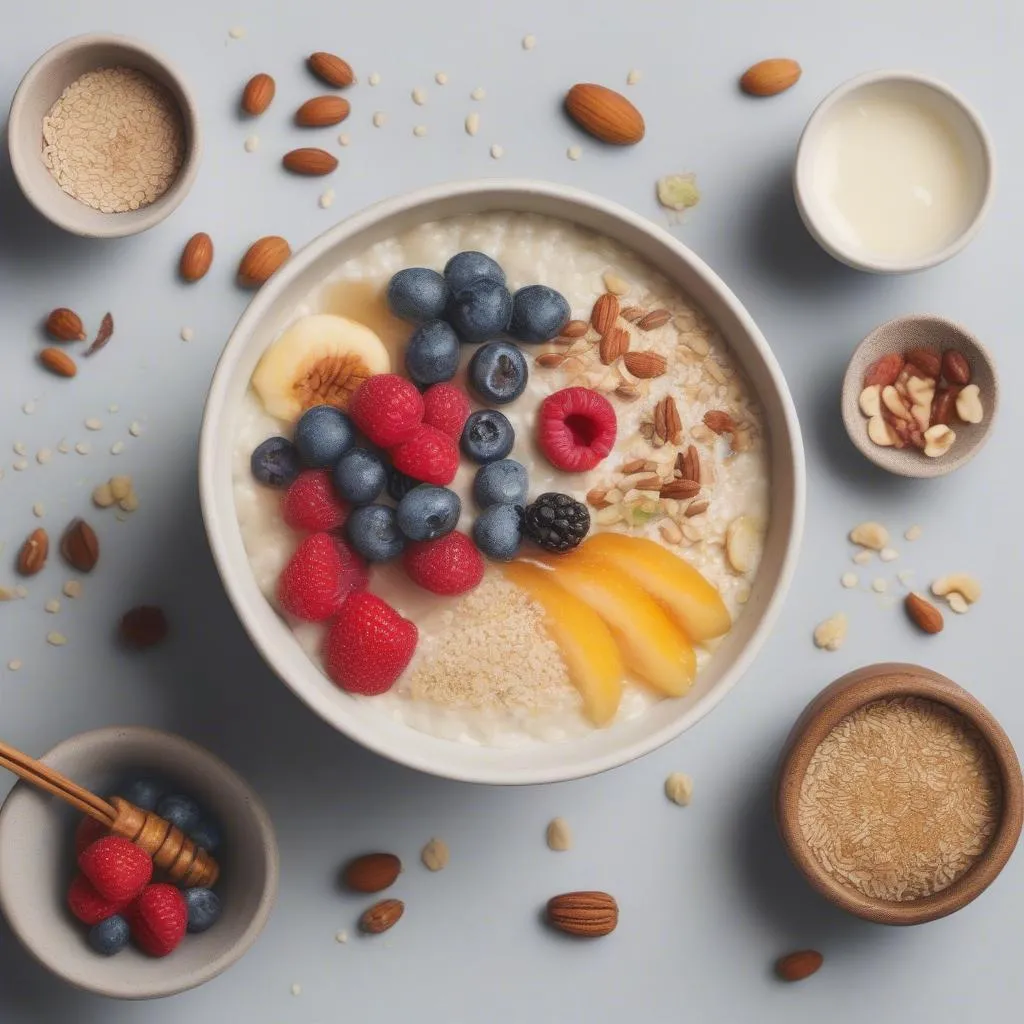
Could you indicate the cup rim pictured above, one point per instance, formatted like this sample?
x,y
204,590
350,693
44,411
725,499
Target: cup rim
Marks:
x,y
802,187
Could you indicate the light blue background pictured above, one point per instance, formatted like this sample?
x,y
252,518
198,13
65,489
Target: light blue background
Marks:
x,y
708,898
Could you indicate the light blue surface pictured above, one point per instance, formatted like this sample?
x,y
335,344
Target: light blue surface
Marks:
x,y
708,899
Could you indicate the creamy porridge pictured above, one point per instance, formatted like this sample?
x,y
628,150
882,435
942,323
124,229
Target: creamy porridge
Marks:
x,y
490,666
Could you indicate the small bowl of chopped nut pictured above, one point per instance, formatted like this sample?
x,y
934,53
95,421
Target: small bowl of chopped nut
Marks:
x,y
103,136
920,396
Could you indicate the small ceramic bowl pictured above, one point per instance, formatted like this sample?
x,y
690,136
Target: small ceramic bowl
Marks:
x,y
900,336
37,863
830,228
42,86
822,715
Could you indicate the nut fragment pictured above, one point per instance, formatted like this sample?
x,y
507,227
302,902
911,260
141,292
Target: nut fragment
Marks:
x,y
667,424
944,405
955,367
799,965
614,343
550,360
957,603
884,371
688,463
597,497
680,489
80,546
653,320
880,432
938,440
435,855
645,365
120,487
604,313
142,627
381,916
372,872
633,313
65,324
615,283
559,835
927,360
870,401
741,544
968,404
870,535
719,422
923,613
575,329
959,583
585,914
830,634
696,508
32,556
679,788
893,401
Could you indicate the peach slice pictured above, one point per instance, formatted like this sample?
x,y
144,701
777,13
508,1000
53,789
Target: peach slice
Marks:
x,y
590,653
691,602
652,646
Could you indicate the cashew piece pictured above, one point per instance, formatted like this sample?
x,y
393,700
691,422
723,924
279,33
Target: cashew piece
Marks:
x,y
958,583
870,401
870,535
938,440
880,432
830,634
894,403
968,404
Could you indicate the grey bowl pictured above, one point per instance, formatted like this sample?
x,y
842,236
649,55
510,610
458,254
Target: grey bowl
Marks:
x,y
42,86
37,863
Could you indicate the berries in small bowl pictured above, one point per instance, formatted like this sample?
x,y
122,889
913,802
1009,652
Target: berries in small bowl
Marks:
x,y
576,429
480,311
498,372
539,313
487,436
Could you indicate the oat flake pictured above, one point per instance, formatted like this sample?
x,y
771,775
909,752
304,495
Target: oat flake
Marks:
x,y
879,586
19,448
435,855
39,510
441,78
187,334
52,606
237,32
419,131
913,533
343,139
341,937
379,118
114,140
63,447
117,447
633,77
15,664
849,580
326,199
252,143
43,456
374,78
478,93
296,988
72,589
419,97
56,639
472,124
497,152
28,408
574,152
93,424
135,428
529,42
19,465
679,788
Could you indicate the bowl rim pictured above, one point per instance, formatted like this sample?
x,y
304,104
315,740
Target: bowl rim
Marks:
x,y
840,699
241,592
802,188
121,225
109,736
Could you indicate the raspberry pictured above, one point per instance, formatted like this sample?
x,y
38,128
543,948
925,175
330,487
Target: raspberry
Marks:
x,y
312,504
369,646
576,429
387,409
429,456
319,577
446,408
158,919
118,869
449,565
87,832
88,905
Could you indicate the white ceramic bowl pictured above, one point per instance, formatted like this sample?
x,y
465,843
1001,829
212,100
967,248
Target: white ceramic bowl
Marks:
x,y
42,86
37,863
271,309
814,206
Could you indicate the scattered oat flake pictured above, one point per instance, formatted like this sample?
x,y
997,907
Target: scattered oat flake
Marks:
x,y
441,78
633,77
72,589
63,447
559,835
679,788
529,42
478,93
574,152
19,465
379,118
957,603
187,334
52,606
419,131
28,408
863,557
905,576
83,448
135,428
472,124
15,664
237,32
117,447
419,97
341,937
888,554
615,283
93,424
113,408
830,634
497,152
21,591
19,448
326,199
879,586
43,456
296,988
913,533
435,855
374,78
39,510
252,143
56,639
678,191
849,580
343,139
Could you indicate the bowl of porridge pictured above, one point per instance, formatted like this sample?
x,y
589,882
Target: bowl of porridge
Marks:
x,y
559,583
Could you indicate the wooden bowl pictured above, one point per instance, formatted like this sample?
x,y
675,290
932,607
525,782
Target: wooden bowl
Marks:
x,y
822,715
901,335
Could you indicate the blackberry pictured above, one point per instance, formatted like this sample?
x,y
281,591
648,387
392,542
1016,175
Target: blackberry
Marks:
x,y
556,522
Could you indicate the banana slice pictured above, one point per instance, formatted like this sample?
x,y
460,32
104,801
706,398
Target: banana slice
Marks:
x,y
319,360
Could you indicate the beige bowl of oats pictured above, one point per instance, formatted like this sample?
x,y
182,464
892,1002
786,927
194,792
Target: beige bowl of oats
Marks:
x,y
103,136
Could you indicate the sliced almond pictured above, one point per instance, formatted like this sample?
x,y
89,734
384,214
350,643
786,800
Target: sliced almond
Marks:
x,y
614,345
742,544
653,320
645,365
605,313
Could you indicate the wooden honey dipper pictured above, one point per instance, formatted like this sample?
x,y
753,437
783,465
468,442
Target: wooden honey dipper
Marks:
x,y
172,851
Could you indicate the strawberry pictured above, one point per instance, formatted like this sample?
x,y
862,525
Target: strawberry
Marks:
x,y
319,577
88,905
387,409
87,832
446,408
311,503
449,565
117,868
576,429
158,919
369,645
428,455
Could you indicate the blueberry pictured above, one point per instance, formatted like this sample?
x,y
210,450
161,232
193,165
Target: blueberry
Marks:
x,y
207,835
373,531
500,483
498,531
359,476
466,267
432,354
498,372
179,810
539,313
203,908
109,936
400,484
480,311
275,462
418,294
487,436
322,435
427,512
144,793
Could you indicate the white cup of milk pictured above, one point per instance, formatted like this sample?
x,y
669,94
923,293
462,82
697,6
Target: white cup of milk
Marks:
x,y
894,172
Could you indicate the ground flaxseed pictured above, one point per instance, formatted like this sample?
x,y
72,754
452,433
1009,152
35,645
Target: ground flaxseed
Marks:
x,y
900,799
114,140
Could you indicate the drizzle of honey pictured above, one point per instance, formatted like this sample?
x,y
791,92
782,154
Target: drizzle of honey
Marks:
x,y
366,303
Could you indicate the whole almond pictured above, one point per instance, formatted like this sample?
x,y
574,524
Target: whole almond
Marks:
x,y
605,114
667,423
586,914
142,627
653,320
688,464
321,111
261,259
575,329
549,360
309,161
605,313
331,69
372,872
614,344
80,546
258,94
65,325
955,367
680,489
799,965
633,313
770,77
381,916
923,613
32,556
196,257
719,422
926,360
645,365
58,362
